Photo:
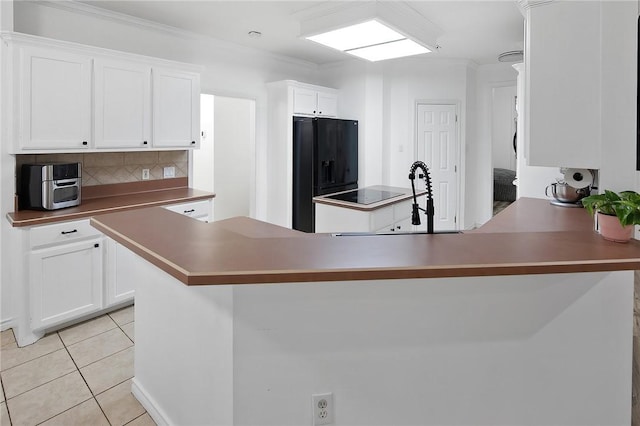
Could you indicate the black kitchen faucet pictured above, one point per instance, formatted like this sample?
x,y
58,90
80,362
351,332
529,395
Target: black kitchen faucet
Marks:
x,y
430,211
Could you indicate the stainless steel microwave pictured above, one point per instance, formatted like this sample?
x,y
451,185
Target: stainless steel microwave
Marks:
x,y
50,186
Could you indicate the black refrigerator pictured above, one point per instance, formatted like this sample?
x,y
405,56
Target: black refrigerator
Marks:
x,y
325,160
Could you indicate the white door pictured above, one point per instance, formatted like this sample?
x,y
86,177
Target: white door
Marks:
x,y
66,282
176,108
122,104
438,148
56,99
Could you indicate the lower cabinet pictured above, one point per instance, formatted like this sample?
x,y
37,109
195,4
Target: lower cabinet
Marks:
x,y
74,270
118,267
65,282
390,218
200,210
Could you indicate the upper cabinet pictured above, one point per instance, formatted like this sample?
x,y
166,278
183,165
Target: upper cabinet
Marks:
x,y
176,108
563,83
56,99
321,103
122,104
68,97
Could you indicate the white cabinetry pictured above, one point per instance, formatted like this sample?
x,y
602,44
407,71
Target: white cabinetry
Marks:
x,y
72,98
390,218
286,99
118,270
56,99
65,272
122,104
314,102
563,83
176,108
200,210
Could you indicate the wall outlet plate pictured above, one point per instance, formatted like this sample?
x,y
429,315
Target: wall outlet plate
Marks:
x,y
145,174
322,409
169,172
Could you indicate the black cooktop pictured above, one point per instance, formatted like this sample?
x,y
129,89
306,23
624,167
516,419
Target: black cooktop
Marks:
x,y
365,196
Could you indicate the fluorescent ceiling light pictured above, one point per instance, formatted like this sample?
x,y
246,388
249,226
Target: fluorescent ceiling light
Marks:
x,y
354,36
370,40
394,49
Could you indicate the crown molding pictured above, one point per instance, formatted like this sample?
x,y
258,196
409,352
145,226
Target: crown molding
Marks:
x,y
121,18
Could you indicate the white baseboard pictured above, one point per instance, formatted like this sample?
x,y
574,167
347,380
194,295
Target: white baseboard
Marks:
x,y
156,413
6,324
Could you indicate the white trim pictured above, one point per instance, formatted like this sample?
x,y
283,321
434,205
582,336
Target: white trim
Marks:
x,y
23,39
7,323
156,413
122,18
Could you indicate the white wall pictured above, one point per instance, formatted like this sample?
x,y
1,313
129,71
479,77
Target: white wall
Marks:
x,y
7,172
233,157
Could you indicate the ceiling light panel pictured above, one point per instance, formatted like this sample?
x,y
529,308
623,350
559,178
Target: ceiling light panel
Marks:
x,y
365,34
395,49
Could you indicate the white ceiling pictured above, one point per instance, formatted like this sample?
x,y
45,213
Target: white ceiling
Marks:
x,y
477,30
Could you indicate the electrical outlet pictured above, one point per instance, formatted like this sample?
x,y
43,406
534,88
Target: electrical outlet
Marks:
x,y
145,174
169,172
322,409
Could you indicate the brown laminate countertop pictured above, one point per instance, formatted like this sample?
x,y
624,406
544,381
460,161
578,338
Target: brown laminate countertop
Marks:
x,y
110,204
405,194
529,237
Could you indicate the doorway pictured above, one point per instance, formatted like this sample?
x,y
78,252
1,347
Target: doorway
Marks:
x,y
225,163
503,146
438,146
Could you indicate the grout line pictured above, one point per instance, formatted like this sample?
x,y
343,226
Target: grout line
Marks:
x,y
87,385
47,383
133,420
41,384
38,357
6,404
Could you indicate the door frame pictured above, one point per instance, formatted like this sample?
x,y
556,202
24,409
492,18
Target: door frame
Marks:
x,y
460,147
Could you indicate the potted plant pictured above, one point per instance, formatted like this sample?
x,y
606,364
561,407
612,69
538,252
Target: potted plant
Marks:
x,y
617,213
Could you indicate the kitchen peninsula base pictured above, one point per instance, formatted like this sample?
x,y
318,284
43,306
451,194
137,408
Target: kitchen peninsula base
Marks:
x,y
532,349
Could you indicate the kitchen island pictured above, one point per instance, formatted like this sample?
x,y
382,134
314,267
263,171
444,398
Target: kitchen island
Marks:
x,y
526,320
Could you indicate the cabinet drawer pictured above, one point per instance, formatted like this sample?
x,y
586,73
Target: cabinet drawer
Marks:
x,y
61,233
195,209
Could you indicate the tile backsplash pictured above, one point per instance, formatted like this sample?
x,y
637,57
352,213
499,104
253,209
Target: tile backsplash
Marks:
x,y
100,168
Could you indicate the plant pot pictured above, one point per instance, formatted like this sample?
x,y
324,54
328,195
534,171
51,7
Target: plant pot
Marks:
x,y
612,230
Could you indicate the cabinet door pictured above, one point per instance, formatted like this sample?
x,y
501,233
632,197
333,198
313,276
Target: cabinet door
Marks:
x,y
122,105
65,282
119,265
305,101
56,99
327,104
176,109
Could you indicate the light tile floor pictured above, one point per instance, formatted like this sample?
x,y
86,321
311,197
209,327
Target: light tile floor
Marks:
x,y
77,376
